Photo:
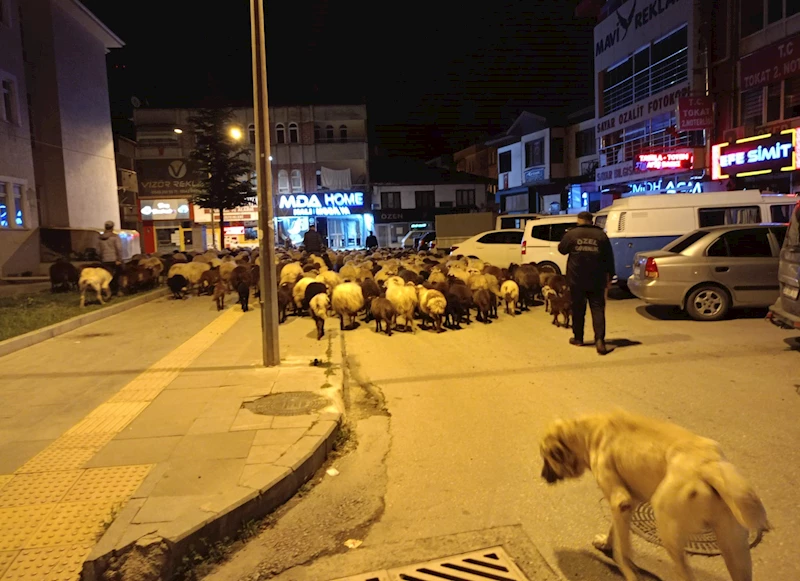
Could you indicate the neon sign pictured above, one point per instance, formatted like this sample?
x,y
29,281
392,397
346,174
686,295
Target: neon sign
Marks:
x,y
656,161
671,187
165,209
322,204
762,154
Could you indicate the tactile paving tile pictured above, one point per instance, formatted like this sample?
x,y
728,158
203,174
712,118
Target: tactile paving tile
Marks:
x,y
48,564
18,524
55,459
116,483
73,523
6,557
95,441
108,418
30,489
5,479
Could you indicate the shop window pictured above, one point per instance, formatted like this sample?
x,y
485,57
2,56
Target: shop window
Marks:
x,y
774,102
294,134
19,215
792,7
505,162
343,133
283,182
251,132
329,132
297,181
4,209
317,133
280,133
534,153
465,198
774,11
752,17
585,143
791,98
8,99
557,150
425,199
390,200
752,107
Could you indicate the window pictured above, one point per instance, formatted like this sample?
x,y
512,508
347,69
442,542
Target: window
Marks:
x,y
585,143
283,182
725,216
752,17
9,101
791,98
19,217
752,106
780,234
343,133
505,162
425,199
390,200
534,153
5,17
317,133
329,132
792,7
641,74
3,205
447,204
513,237
557,150
492,238
294,134
297,181
251,132
749,243
774,102
685,242
780,213
465,198
280,133
557,231
774,11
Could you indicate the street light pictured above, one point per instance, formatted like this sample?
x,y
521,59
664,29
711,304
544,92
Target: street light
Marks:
x,y
178,130
235,133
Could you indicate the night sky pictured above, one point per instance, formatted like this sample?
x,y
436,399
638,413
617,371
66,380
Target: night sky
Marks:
x,y
435,75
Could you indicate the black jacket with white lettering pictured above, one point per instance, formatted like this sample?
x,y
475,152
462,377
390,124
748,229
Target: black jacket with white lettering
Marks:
x,y
591,260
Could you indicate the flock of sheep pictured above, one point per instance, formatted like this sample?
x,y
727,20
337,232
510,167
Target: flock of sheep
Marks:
x,y
393,286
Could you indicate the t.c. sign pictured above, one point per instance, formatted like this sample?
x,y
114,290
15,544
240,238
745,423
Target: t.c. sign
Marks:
x,y
751,156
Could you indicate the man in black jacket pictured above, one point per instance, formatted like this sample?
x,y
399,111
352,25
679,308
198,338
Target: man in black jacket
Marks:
x,y
589,271
312,241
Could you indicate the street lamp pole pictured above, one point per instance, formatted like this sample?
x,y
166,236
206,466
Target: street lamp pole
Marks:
x,y
266,225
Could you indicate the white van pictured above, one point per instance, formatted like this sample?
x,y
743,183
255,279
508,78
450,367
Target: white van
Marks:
x,y
642,223
540,241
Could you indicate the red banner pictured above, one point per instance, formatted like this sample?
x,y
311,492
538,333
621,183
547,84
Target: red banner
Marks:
x,y
770,64
695,113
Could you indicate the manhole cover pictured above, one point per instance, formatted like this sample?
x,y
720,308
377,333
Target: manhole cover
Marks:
x,y
291,403
643,523
493,563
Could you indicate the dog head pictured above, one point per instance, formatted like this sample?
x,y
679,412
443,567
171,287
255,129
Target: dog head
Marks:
x,y
560,460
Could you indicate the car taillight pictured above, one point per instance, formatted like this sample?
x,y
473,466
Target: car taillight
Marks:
x,y
524,247
651,268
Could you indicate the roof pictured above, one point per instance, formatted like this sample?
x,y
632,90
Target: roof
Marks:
x,y
91,23
524,124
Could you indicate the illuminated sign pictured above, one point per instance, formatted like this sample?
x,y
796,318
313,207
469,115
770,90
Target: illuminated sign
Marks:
x,y
656,161
165,209
418,226
667,187
762,154
321,204
234,230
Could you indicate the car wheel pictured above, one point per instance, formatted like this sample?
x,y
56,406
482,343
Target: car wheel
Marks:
x,y
708,303
548,267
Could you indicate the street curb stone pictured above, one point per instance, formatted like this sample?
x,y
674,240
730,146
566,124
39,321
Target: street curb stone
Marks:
x,y
32,338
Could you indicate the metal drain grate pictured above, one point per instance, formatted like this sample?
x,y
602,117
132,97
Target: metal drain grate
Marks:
x,y
491,564
643,523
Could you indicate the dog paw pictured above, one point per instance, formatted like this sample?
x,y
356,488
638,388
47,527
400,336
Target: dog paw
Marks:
x,y
601,543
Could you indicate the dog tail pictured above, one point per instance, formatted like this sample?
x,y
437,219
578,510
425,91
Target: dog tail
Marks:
x,y
737,494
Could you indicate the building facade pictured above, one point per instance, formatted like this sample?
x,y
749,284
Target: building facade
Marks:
x,y
320,168
57,167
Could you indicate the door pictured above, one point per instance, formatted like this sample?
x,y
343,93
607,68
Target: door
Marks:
x,y
557,232
746,262
489,248
510,249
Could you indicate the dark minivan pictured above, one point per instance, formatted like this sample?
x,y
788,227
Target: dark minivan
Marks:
x,y
786,310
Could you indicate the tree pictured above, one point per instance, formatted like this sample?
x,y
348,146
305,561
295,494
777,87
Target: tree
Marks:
x,y
223,163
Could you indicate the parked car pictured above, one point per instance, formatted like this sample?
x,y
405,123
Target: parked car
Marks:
x,y
785,312
540,242
498,247
710,270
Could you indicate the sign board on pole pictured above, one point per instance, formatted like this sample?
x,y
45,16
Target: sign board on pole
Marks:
x,y
695,113
770,64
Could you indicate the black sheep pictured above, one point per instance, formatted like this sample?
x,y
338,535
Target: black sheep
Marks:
x,y
370,290
312,290
284,300
243,288
176,283
63,275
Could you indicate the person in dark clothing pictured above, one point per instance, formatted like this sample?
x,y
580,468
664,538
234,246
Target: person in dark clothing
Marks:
x,y
590,268
110,249
312,241
372,241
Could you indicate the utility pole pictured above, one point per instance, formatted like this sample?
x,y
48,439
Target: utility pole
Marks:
x,y
266,225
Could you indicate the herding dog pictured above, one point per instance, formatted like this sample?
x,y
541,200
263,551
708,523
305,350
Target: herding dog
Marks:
x,y
690,484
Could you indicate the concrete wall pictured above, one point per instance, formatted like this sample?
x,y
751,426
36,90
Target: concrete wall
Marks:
x,y
19,247
442,193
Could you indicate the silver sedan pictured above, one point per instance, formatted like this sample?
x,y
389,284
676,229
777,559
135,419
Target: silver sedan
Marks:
x,y
711,270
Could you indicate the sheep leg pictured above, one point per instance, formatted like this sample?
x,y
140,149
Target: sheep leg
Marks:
x,y
83,297
100,296
378,325
439,324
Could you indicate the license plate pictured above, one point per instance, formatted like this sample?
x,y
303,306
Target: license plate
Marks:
x,y
791,292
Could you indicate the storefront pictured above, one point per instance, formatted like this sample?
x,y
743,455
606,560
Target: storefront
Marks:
x,y
241,227
392,225
342,218
167,225
765,162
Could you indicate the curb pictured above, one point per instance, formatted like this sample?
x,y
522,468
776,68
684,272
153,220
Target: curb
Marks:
x,y
33,337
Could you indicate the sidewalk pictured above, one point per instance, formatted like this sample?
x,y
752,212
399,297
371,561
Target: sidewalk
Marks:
x,y
158,447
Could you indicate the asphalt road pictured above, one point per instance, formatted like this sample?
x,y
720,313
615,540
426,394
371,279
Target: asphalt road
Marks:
x,y
467,409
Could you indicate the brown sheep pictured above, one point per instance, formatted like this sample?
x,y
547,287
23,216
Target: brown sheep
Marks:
x,y
383,312
483,303
561,305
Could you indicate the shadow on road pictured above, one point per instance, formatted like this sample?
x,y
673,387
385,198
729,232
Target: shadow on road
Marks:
x,y
593,565
665,313
619,343
793,343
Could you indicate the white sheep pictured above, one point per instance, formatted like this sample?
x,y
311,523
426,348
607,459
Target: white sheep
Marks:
x,y
349,272
477,282
98,279
404,298
433,305
460,273
330,279
154,264
436,277
386,271
509,293
319,305
299,291
321,266
191,270
548,293
348,299
291,273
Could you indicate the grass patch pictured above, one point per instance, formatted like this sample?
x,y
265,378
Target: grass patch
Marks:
x,y
30,311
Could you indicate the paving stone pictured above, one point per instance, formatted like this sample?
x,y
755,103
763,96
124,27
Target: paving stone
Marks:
x,y
287,436
73,523
299,452
163,509
222,408
262,476
112,484
323,428
48,564
134,451
15,454
33,489
114,532
6,557
214,425
266,454
213,446
17,524
247,420
228,500
5,479
304,421
164,417
185,476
